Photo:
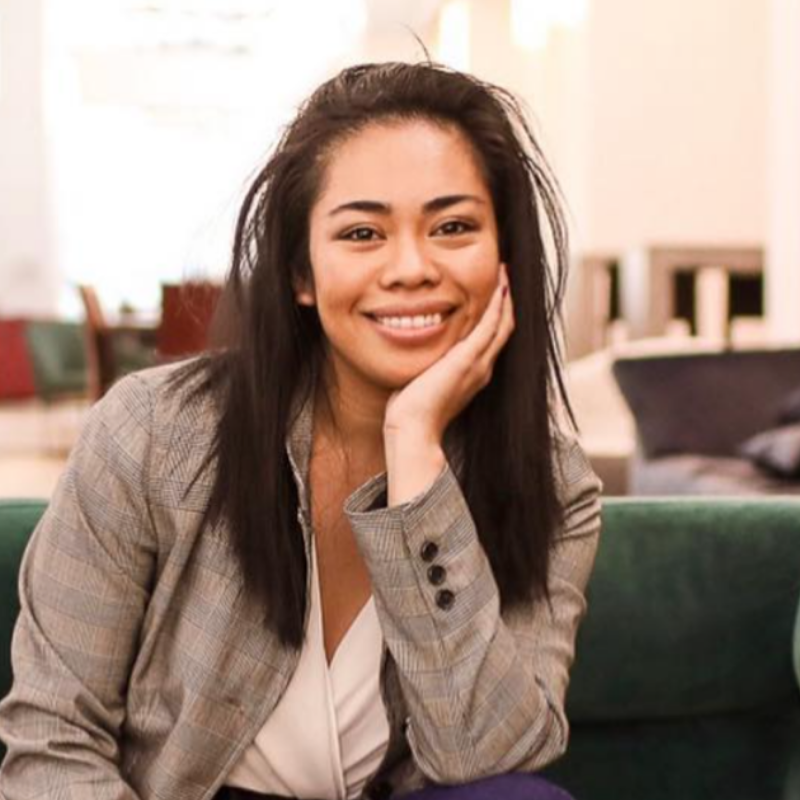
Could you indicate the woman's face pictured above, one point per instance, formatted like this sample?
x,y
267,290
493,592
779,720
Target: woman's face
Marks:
x,y
404,251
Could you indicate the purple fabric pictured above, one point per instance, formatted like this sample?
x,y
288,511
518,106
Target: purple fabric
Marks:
x,y
514,786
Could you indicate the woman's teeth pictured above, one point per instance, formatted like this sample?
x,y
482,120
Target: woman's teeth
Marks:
x,y
427,321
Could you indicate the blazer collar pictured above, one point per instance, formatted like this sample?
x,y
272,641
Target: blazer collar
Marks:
x,y
299,441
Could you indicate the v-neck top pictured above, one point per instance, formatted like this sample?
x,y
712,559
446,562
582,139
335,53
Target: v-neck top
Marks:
x,y
329,731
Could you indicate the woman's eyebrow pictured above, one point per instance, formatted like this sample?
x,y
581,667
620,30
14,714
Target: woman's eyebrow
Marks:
x,y
371,206
376,207
440,203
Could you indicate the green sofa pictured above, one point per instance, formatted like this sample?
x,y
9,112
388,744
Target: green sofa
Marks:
x,y
685,685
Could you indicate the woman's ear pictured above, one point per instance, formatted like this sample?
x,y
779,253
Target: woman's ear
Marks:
x,y
304,293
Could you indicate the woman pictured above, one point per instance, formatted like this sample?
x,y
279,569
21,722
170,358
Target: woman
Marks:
x,y
345,555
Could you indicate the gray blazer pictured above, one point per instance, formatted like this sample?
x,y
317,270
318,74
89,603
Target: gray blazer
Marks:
x,y
141,672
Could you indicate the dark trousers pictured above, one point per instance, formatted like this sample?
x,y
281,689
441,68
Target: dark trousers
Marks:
x,y
515,786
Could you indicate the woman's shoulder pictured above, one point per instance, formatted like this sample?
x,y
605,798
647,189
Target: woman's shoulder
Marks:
x,y
158,423
573,469
161,395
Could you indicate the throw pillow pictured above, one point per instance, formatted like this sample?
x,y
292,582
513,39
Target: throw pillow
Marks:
x,y
790,408
705,403
776,451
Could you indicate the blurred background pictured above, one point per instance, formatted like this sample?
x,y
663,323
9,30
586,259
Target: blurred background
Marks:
x,y
130,128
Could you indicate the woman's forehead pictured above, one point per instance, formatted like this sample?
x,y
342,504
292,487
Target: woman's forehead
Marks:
x,y
404,160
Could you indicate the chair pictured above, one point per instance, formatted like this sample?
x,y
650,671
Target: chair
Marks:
x,y
57,352
16,371
113,350
102,370
187,310
58,355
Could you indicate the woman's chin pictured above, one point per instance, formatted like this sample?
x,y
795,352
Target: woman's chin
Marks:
x,y
386,375
397,376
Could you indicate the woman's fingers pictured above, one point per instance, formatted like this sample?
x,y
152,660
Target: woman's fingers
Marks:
x,y
477,352
505,328
493,330
483,334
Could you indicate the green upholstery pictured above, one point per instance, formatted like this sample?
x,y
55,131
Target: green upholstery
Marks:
x,y
691,609
58,354
797,648
18,518
684,685
729,757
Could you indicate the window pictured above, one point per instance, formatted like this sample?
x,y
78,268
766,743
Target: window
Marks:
x,y
159,111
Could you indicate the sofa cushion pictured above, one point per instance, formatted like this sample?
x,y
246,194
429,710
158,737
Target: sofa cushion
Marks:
x,y
796,650
777,450
692,606
706,403
726,757
705,475
18,518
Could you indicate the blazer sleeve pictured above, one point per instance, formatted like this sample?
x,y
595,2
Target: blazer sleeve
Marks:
x,y
84,586
485,692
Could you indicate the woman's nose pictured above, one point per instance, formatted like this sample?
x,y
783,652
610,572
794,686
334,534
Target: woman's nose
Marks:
x,y
409,264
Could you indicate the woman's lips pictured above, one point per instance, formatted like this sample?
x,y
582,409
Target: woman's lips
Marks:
x,y
410,336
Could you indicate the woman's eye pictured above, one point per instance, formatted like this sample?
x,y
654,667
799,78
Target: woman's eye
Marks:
x,y
360,235
454,227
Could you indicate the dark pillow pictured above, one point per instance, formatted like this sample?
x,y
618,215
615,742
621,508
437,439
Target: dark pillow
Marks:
x,y
777,451
706,403
790,408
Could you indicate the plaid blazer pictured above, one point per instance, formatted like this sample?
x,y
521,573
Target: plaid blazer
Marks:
x,y
140,671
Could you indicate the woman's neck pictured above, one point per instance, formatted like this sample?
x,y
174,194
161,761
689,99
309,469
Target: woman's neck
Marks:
x,y
350,420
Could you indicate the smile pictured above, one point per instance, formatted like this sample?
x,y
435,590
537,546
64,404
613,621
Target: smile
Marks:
x,y
418,329
418,322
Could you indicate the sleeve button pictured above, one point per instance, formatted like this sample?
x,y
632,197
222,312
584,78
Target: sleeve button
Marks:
x,y
445,599
429,551
437,574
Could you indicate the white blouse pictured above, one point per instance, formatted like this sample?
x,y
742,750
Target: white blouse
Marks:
x,y
329,731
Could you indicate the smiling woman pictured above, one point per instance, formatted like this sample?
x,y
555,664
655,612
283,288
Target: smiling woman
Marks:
x,y
344,555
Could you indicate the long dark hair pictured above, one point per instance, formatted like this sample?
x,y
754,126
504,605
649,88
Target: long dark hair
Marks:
x,y
275,346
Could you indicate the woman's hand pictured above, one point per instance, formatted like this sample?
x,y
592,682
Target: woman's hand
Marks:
x,y
428,404
418,414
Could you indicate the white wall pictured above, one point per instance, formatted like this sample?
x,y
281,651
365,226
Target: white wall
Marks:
x,y
656,119
28,280
678,122
149,148
783,235
654,116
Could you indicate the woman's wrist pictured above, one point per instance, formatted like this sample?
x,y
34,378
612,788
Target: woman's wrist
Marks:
x,y
413,462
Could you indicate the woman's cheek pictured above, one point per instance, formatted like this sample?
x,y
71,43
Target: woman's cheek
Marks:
x,y
486,292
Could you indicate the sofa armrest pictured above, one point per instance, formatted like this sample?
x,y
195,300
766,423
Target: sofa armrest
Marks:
x,y
692,606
